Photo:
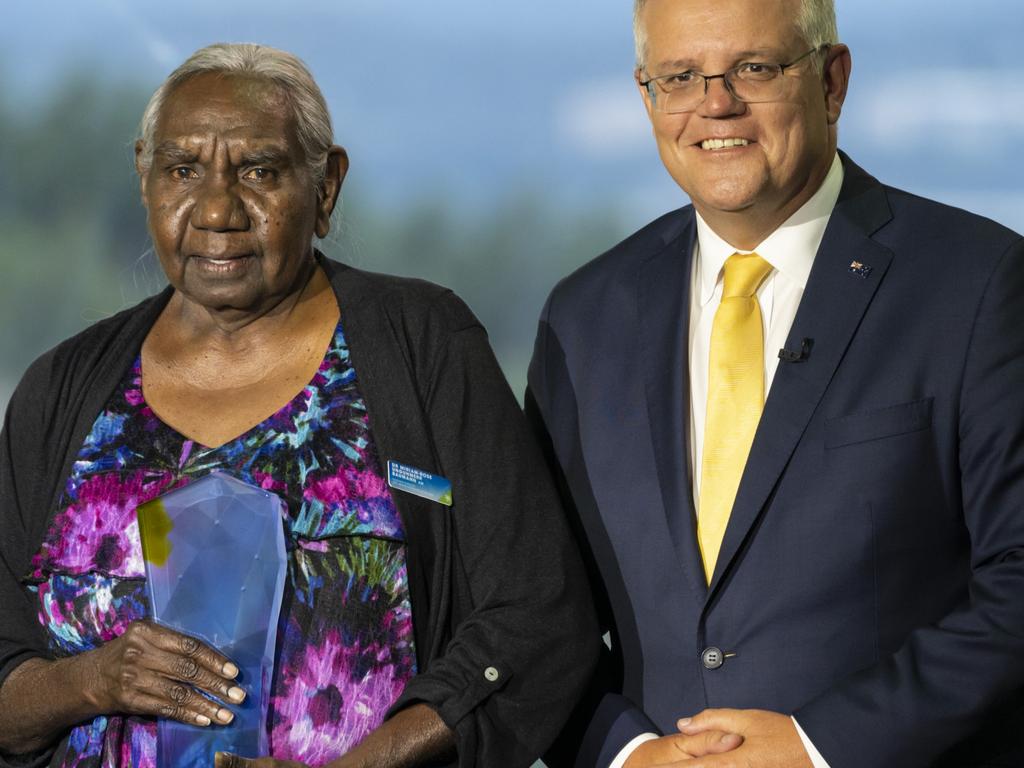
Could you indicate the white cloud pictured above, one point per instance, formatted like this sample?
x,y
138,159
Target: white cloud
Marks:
x,y
155,44
604,117
969,111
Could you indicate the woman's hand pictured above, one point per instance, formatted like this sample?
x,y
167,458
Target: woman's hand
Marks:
x,y
228,760
152,670
149,670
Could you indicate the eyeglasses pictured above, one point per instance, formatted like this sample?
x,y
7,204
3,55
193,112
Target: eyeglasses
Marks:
x,y
751,82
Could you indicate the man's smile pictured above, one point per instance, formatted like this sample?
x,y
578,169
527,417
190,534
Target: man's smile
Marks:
x,y
716,144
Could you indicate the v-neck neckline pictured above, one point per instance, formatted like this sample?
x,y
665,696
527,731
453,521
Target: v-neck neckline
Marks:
x,y
200,447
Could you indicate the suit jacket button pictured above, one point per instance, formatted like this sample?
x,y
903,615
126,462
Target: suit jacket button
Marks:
x,y
712,658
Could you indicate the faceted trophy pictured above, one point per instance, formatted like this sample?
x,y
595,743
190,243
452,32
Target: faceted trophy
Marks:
x,y
215,568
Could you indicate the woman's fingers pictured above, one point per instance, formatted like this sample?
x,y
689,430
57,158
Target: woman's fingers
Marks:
x,y
192,652
228,760
193,711
187,672
152,670
183,702
183,658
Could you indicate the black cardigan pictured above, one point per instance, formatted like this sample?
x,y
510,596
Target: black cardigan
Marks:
x,y
495,580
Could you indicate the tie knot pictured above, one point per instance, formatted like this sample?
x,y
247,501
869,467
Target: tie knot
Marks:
x,y
744,272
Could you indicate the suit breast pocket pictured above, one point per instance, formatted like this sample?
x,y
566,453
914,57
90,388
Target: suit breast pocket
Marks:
x,y
878,423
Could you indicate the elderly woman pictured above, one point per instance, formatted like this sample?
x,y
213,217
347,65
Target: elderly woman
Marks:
x,y
410,632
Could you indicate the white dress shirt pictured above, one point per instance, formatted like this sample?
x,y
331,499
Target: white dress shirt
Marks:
x,y
790,250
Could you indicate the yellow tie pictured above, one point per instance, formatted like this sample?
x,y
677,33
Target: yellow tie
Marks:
x,y
735,398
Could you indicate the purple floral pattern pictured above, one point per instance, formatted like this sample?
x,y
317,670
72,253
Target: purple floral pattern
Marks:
x,y
345,647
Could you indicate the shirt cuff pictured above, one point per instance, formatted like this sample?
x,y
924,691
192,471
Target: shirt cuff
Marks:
x,y
626,751
816,759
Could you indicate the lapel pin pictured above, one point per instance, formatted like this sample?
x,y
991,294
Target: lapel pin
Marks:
x,y
859,269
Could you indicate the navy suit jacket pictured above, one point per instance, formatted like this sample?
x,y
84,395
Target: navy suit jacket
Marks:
x,y
871,579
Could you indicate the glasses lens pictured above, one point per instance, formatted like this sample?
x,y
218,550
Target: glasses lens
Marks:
x,y
756,83
681,96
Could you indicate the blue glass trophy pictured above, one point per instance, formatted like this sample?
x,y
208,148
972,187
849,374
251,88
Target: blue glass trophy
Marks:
x,y
215,568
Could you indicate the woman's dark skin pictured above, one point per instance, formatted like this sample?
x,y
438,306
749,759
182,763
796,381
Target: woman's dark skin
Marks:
x,y
149,670
232,208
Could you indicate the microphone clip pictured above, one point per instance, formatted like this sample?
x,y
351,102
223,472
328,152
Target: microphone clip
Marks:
x,y
793,356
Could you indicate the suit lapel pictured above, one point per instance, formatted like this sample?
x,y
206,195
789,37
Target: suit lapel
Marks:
x,y
663,301
830,311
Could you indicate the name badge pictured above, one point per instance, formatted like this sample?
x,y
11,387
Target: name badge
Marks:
x,y
419,483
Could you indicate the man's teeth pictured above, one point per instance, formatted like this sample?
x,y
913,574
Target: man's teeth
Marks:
x,y
723,143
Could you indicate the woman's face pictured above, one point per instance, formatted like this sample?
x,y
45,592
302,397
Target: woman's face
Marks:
x,y
231,201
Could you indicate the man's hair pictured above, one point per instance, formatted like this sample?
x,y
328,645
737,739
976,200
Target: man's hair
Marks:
x,y
816,22
312,119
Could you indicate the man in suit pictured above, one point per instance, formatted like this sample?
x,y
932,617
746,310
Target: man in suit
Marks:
x,y
790,421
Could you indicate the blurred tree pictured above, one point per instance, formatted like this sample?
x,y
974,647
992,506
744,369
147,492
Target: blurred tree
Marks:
x,y
71,225
503,262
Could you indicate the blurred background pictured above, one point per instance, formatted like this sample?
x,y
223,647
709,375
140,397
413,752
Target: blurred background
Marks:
x,y
495,146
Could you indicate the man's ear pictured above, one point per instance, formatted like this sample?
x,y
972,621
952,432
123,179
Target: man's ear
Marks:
x,y
330,188
644,93
139,147
838,65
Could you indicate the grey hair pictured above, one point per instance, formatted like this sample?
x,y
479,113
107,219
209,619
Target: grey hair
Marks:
x,y
816,22
312,119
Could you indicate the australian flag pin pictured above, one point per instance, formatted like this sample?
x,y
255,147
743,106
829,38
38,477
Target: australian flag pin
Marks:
x,y
859,269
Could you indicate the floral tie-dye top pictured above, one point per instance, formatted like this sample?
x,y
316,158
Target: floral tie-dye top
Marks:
x,y
345,644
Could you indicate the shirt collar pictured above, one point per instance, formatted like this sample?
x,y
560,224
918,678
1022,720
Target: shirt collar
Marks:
x,y
790,249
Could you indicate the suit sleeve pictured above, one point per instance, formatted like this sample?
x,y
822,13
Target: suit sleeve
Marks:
x,y
517,663
941,686
604,721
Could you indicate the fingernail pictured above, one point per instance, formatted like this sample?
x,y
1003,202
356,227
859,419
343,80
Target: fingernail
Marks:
x,y
683,722
224,715
202,719
724,738
235,693
229,670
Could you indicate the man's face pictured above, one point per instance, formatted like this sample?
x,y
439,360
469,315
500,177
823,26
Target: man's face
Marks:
x,y
790,143
232,204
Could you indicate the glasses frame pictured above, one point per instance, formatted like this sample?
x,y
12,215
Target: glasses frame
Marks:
x,y
726,78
